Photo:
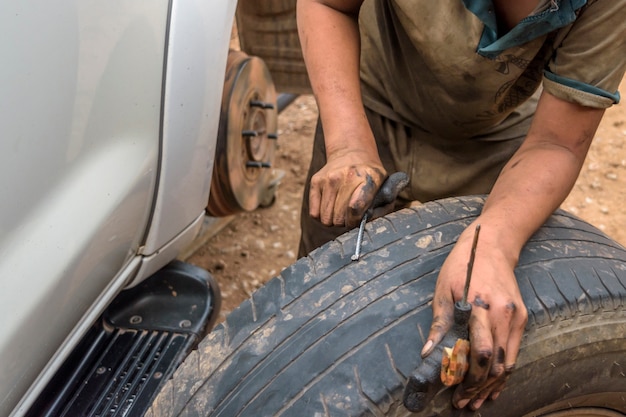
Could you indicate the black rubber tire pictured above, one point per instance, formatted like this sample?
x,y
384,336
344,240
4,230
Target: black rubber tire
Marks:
x,y
333,337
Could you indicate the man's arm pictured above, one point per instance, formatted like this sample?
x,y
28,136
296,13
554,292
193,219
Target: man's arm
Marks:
x,y
531,186
329,34
543,171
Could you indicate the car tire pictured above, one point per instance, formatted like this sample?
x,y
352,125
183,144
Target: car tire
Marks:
x,y
333,337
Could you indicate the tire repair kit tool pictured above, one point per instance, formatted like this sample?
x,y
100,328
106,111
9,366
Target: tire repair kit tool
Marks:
x,y
387,193
447,364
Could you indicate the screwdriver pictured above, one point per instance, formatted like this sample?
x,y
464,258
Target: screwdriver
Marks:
x,y
439,368
387,193
454,362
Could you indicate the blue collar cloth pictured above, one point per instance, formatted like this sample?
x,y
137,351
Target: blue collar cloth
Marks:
x,y
558,14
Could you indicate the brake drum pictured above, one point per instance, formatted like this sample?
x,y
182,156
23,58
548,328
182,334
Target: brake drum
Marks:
x,y
246,144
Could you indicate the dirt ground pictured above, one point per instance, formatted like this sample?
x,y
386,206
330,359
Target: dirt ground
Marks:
x,y
254,247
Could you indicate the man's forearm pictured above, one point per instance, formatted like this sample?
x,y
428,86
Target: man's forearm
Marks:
x,y
330,41
540,175
528,190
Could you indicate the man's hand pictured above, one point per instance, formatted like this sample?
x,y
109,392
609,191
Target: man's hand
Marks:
x,y
344,188
498,316
329,34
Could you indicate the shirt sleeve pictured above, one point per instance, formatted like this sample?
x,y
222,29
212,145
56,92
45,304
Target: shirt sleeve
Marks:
x,y
590,56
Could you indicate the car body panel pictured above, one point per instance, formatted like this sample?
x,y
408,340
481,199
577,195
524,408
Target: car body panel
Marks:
x,y
85,207
197,52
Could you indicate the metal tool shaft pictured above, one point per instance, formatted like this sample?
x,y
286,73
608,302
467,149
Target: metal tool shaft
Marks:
x,y
359,238
470,265
387,193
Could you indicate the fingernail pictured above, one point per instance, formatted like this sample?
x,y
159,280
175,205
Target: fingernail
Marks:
x,y
495,395
462,403
427,348
476,404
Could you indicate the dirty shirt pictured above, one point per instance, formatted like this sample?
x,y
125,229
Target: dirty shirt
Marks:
x,y
443,66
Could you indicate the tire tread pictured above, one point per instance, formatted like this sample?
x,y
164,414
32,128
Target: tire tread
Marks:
x,y
293,306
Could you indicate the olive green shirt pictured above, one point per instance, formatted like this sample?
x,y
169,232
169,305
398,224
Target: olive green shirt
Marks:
x,y
442,66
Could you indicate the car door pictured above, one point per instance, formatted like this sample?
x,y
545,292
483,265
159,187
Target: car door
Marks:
x,y
80,110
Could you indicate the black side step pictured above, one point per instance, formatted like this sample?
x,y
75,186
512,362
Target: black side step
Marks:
x,y
122,362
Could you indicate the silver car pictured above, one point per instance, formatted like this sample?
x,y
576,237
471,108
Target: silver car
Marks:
x,y
126,128
109,118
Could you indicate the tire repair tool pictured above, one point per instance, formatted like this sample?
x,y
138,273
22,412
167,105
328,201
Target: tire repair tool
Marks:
x,y
387,193
447,364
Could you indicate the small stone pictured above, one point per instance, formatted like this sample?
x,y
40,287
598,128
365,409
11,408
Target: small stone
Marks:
x,y
219,265
604,210
611,175
593,166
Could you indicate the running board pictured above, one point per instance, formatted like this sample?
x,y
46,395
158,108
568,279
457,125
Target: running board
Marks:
x,y
133,349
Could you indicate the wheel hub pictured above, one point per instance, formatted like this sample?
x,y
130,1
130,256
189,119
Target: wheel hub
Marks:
x,y
242,173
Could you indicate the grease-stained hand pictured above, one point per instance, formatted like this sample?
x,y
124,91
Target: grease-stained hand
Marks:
x,y
344,188
497,321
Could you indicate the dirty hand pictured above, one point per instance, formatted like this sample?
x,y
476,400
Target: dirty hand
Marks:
x,y
344,188
497,320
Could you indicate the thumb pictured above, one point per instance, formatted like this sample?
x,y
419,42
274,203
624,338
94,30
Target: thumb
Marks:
x,y
360,199
443,317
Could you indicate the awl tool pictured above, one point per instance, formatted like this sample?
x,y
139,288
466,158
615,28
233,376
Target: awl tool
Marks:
x,y
387,194
447,364
454,362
